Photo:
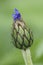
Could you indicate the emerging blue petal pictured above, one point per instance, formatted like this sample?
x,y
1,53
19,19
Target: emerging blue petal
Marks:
x,y
17,15
14,16
16,11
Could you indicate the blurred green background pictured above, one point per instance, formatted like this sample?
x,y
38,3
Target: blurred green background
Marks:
x,y
32,13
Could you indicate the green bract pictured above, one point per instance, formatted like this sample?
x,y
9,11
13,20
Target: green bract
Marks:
x,y
22,36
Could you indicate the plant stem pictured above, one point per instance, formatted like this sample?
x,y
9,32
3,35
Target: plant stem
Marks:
x,y
27,57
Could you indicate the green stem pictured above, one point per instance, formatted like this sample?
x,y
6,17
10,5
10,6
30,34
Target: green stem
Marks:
x,y
27,57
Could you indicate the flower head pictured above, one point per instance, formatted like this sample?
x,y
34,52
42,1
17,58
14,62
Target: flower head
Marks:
x,y
17,15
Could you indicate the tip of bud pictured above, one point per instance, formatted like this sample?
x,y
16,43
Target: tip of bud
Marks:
x,y
16,15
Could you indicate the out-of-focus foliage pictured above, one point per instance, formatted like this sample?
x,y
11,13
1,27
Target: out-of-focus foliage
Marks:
x,y
32,13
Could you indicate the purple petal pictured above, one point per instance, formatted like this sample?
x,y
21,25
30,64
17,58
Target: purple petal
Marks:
x,y
16,11
17,15
14,16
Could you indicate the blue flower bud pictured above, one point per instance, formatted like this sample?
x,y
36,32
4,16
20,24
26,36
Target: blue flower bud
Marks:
x,y
17,15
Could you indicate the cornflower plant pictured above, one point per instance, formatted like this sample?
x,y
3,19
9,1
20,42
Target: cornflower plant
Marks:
x,y
22,37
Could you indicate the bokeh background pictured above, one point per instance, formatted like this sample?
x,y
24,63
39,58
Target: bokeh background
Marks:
x,y
32,13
